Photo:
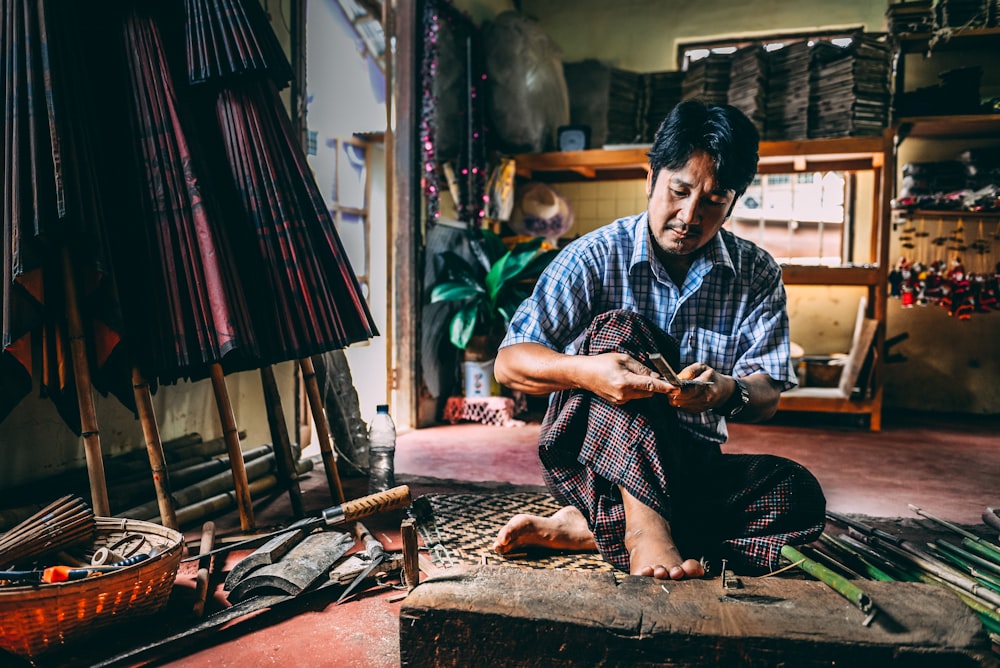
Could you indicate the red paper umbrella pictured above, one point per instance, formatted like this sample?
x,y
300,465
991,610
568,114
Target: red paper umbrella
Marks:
x,y
184,307
52,213
308,291
230,37
317,301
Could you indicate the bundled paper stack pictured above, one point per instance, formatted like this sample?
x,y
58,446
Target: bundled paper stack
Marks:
x,y
625,109
748,84
788,93
663,91
850,92
904,18
708,79
607,100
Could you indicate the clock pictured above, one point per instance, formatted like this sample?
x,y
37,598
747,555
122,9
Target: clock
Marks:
x,y
574,137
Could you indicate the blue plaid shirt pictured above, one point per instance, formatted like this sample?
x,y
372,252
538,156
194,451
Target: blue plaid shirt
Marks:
x,y
730,312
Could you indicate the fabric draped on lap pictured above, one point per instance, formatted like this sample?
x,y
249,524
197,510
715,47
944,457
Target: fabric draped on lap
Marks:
x,y
743,507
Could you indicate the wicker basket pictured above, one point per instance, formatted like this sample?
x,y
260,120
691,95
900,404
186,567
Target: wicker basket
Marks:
x,y
36,619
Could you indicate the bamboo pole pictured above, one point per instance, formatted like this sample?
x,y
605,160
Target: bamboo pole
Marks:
x,y
154,448
84,394
229,431
322,429
283,459
838,583
204,568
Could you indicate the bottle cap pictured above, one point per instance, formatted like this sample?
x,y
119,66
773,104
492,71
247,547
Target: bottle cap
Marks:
x,y
382,408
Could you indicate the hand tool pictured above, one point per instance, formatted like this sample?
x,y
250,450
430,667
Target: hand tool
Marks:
x,y
204,568
670,375
397,497
422,512
376,555
54,574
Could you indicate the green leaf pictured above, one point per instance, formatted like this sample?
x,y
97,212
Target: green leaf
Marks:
x,y
462,325
494,245
456,268
443,292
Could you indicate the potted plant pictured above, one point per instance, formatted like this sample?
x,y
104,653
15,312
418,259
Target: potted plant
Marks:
x,y
488,289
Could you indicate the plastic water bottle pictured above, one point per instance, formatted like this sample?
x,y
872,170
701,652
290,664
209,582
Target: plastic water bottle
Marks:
x,y
381,450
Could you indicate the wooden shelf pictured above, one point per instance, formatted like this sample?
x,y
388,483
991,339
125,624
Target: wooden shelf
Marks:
x,y
968,38
596,163
816,275
947,213
844,153
969,126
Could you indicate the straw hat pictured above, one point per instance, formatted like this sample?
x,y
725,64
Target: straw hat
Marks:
x,y
541,212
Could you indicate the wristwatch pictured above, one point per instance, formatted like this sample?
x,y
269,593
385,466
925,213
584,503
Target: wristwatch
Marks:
x,y
739,400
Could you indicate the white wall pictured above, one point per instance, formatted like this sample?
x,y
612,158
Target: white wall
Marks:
x,y
346,95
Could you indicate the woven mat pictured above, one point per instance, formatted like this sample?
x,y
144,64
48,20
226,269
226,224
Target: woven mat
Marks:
x,y
468,524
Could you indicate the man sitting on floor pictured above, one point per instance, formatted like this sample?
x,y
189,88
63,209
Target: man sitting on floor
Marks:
x,y
636,460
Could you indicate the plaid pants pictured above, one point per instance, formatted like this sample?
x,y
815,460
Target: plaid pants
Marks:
x,y
740,507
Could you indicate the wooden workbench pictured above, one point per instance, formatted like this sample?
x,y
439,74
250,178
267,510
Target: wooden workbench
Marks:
x,y
504,616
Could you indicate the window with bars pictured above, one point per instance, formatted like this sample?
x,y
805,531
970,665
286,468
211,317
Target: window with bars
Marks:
x,y
798,218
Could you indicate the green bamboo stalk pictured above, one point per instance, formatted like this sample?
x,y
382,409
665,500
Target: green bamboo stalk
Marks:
x,y
957,529
831,561
970,555
983,549
958,560
871,571
925,562
989,616
838,583
903,570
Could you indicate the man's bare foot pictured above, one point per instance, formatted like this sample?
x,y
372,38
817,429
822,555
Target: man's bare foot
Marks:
x,y
650,544
566,529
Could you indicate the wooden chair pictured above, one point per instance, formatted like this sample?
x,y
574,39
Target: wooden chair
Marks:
x,y
848,396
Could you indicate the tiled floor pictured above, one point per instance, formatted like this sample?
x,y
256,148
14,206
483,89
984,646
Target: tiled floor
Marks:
x,y
947,465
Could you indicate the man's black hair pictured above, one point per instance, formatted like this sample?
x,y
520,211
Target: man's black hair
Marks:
x,y
722,131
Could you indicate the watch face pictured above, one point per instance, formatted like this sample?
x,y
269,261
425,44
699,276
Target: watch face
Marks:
x,y
572,139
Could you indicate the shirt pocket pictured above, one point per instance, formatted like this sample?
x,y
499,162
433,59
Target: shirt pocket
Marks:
x,y
717,350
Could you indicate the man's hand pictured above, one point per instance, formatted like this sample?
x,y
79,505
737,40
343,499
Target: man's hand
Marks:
x,y
618,378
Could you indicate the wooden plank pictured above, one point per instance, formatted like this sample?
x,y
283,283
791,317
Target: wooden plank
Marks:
x,y
503,616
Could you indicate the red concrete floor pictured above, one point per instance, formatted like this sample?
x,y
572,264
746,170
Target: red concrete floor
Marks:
x,y
947,465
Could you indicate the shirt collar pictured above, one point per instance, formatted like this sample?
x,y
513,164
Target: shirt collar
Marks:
x,y
716,253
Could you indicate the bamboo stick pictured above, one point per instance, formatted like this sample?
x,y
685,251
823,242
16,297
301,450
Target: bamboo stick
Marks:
x,y
279,435
970,556
204,568
154,448
322,429
960,563
65,522
207,487
925,562
982,549
231,434
84,393
839,584
957,529
871,571
225,501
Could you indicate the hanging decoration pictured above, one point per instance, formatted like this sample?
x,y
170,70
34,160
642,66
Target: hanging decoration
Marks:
x,y
946,269
452,127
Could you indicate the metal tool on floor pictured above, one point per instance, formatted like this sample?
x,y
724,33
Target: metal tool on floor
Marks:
x,y
422,513
374,552
349,511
